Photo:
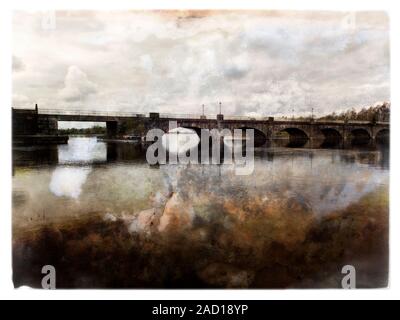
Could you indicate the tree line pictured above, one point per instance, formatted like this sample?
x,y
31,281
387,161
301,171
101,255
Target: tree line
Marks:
x,y
379,112
83,131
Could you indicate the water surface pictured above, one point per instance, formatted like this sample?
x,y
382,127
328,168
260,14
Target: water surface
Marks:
x,y
105,218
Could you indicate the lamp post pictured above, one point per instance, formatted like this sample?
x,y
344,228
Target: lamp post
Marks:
x,y
220,117
202,116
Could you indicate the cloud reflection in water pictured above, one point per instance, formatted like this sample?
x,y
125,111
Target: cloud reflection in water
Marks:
x,y
67,181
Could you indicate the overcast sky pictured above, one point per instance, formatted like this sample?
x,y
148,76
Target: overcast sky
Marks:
x,y
255,63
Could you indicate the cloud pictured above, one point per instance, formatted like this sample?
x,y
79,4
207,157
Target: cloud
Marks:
x,y
68,181
77,85
254,62
237,67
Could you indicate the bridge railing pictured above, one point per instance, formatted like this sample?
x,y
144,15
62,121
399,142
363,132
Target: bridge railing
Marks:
x,y
207,116
184,116
232,117
73,112
291,119
116,113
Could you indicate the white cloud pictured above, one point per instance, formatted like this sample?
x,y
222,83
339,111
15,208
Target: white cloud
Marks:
x,y
77,86
68,181
254,62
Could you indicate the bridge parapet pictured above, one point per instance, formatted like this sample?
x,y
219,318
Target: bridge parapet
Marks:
x,y
74,112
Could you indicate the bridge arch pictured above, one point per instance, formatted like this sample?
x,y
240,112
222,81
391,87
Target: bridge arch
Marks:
x,y
360,133
331,133
260,138
332,137
296,137
295,133
197,130
181,139
360,136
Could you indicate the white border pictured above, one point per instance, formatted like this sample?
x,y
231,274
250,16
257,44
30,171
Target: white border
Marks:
x,y
6,288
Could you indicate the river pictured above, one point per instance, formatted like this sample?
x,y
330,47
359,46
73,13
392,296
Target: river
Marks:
x,y
106,219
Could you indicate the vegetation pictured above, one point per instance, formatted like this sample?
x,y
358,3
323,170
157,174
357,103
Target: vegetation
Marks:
x,y
374,113
83,131
380,112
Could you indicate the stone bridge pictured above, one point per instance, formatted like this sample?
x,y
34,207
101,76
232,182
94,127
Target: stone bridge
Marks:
x,y
45,122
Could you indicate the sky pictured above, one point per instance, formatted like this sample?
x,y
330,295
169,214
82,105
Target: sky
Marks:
x,y
256,63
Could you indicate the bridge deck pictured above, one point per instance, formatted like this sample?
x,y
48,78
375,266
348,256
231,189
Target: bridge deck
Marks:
x,y
115,115
104,116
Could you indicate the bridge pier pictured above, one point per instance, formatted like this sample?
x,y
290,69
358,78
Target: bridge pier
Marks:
x,y
30,128
47,125
112,129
